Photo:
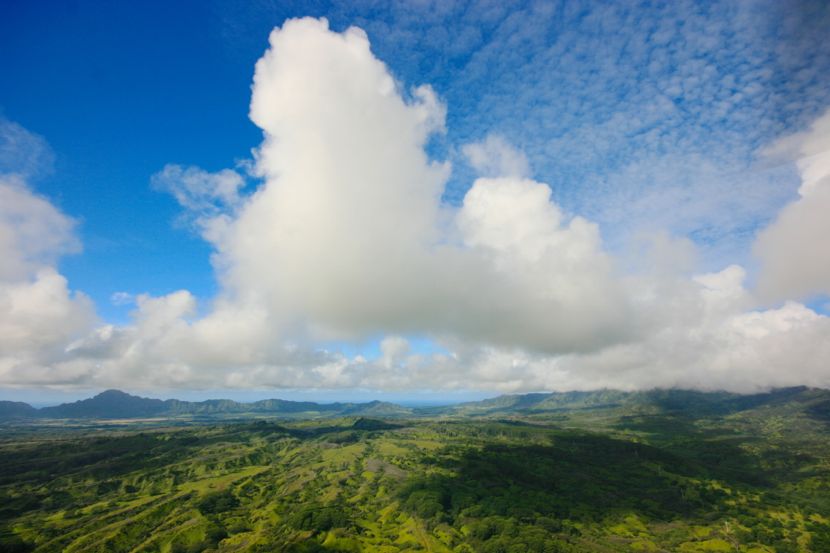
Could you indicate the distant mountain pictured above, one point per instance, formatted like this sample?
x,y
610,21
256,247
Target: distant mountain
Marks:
x,y
112,404
16,409
657,400
537,402
115,404
378,409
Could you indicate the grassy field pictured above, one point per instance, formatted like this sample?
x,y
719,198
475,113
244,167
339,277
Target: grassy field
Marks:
x,y
604,479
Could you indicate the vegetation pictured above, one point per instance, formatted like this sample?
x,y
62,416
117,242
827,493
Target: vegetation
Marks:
x,y
662,471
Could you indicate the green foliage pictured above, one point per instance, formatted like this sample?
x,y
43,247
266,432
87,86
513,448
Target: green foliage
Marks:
x,y
218,502
319,518
10,543
670,471
820,410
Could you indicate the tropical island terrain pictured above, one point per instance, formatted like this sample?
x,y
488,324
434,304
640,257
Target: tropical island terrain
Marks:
x,y
660,470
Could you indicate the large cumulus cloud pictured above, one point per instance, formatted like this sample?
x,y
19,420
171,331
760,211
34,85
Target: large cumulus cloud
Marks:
x,y
348,231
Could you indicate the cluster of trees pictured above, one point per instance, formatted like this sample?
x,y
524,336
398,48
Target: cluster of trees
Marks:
x,y
218,502
321,518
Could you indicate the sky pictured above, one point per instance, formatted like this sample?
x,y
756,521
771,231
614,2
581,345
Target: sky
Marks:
x,y
430,200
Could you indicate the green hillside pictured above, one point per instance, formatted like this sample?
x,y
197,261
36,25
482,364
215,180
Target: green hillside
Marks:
x,y
653,471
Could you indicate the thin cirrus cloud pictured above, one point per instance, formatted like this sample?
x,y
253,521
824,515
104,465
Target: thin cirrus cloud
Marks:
x,y
346,238
495,157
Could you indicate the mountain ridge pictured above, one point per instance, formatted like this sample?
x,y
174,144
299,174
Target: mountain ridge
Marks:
x,y
116,404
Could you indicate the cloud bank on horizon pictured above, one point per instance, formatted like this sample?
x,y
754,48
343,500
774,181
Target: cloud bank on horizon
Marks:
x,y
346,238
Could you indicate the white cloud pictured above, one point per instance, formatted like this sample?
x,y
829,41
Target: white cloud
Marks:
x,y
793,250
199,190
39,315
716,343
122,298
208,198
33,233
348,232
495,157
556,288
394,350
23,153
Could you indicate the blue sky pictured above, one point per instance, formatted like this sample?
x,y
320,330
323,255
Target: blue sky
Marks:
x,y
110,85
645,119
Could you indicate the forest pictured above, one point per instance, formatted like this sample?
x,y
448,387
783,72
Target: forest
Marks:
x,y
683,472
